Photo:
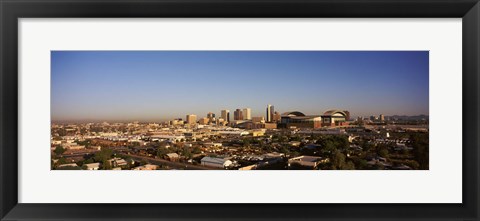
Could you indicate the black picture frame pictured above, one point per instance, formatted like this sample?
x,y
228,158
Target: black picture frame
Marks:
x,y
12,10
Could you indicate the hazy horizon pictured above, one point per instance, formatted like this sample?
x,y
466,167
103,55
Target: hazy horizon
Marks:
x,y
154,86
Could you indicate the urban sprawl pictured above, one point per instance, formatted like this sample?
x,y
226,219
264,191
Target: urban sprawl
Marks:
x,y
287,141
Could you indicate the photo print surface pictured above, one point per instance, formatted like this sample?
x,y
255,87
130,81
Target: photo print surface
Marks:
x,y
239,110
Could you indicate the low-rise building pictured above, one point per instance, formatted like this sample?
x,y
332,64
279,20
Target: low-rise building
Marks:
x,y
211,144
68,165
257,133
73,146
95,147
250,167
92,166
233,132
118,162
216,162
172,157
147,167
306,161
171,138
294,143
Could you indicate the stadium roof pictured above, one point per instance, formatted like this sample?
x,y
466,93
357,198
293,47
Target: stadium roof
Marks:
x,y
332,112
294,113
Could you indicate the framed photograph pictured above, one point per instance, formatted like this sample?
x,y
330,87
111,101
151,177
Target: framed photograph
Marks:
x,y
228,110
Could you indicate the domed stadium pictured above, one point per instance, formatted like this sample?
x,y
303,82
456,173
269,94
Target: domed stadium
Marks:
x,y
330,118
335,118
297,119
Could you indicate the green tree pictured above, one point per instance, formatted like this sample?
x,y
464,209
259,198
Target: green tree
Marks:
x,y
59,150
349,166
89,160
367,146
85,143
412,164
106,165
284,150
379,166
421,149
383,152
61,132
246,143
103,155
162,151
196,150
61,161
338,160
187,153
361,164
331,143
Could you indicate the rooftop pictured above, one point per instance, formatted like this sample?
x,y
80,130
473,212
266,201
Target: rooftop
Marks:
x,y
307,158
214,160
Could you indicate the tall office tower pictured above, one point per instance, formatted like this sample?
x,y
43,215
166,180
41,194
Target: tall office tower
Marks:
x,y
268,116
270,113
226,115
382,118
191,118
347,118
247,113
238,115
211,117
276,117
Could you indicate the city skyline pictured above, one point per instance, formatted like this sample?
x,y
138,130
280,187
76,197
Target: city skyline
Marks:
x,y
163,85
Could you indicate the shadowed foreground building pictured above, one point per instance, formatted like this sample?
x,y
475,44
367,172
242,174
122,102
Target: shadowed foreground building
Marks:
x,y
300,120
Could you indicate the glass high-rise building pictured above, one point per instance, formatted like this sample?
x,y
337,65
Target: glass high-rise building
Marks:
x,y
225,115
270,112
247,113
211,117
191,119
238,115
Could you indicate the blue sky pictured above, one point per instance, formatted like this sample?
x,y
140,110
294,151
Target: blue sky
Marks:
x,y
161,85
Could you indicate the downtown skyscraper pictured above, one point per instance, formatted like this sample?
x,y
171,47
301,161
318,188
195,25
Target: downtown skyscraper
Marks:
x,y
247,113
225,114
270,112
238,115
